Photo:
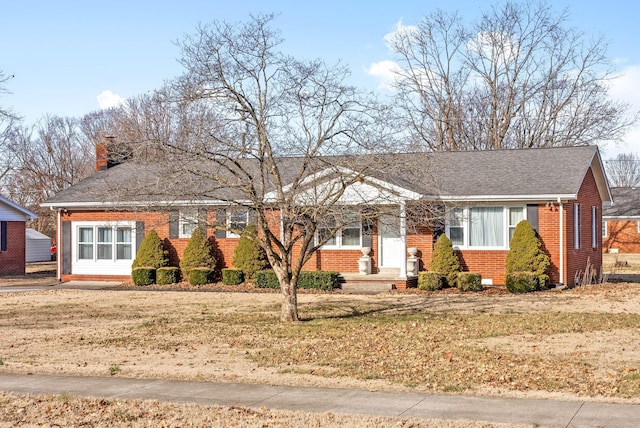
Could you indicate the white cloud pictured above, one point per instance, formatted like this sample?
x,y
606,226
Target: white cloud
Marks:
x,y
386,72
108,99
626,87
400,30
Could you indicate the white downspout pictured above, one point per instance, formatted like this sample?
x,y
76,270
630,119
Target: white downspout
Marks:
x,y
561,267
58,247
403,238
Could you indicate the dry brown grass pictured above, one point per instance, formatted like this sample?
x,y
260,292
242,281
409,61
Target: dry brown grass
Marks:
x,y
581,343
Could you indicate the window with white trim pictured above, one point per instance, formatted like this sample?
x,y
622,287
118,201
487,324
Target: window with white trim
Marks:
x,y
605,231
348,236
577,225
187,222
237,221
103,242
594,227
485,227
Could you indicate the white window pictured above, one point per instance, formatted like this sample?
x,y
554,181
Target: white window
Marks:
x,y
594,227
516,215
96,243
456,227
605,232
237,221
348,236
486,227
188,221
577,225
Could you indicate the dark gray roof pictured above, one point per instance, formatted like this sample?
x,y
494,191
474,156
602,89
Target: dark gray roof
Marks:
x,y
521,174
627,203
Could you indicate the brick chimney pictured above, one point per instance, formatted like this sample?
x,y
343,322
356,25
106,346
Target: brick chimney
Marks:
x,y
102,154
109,153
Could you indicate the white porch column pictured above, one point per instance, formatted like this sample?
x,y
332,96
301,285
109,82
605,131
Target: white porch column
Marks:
x,y
403,238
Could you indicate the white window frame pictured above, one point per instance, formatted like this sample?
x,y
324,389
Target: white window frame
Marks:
x,y
577,226
339,236
594,227
187,222
231,220
605,229
465,220
94,265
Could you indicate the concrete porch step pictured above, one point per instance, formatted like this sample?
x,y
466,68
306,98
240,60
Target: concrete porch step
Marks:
x,y
367,287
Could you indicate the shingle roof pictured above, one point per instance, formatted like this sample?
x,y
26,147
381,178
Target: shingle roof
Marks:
x,y
627,203
530,173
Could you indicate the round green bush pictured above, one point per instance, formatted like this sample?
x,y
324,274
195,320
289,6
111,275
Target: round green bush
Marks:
x,y
469,281
526,255
151,252
197,254
200,276
167,275
232,276
249,256
430,281
521,282
444,260
145,275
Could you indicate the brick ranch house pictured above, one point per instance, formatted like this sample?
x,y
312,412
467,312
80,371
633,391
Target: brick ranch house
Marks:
x,y
13,220
560,191
621,222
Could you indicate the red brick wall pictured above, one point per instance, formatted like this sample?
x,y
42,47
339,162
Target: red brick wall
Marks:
x,y
576,260
12,261
623,235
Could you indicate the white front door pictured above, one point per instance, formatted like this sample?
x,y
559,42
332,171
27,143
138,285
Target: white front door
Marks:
x,y
391,244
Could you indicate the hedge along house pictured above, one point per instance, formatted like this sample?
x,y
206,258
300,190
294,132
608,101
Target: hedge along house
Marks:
x,y
621,222
13,220
477,198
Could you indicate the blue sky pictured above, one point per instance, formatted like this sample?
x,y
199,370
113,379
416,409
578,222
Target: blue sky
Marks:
x,y
64,54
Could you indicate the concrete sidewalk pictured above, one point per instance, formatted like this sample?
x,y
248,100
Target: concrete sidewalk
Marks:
x,y
547,413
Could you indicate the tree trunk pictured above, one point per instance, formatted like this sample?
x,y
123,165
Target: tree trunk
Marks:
x,y
289,311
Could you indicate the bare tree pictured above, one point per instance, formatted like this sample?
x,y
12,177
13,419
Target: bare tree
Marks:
x,y
518,78
47,158
624,170
266,126
8,122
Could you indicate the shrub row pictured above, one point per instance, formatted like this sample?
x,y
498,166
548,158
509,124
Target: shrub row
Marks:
x,y
319,280
465,281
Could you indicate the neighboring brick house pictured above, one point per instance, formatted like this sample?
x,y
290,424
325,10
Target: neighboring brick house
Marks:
x,y
621,222
13,219
484,194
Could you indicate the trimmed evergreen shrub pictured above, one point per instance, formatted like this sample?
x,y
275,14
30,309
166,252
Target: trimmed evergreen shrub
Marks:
x,y
521,282
469,281
200,276
151,252
430,281
198,254
232,276
145,275
266,279
526,255
319,280
444,260
249,256
167,275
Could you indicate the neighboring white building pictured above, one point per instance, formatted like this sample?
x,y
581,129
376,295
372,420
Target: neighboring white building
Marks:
x,y
38,246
